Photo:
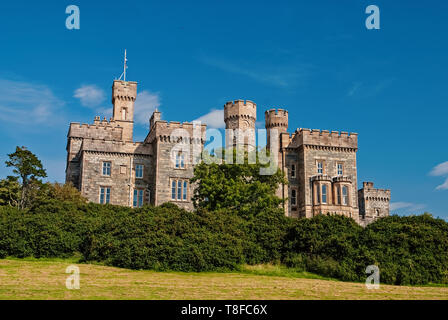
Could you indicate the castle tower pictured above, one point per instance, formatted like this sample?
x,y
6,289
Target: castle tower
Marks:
x,y
275,120
124,94
373,203
240,117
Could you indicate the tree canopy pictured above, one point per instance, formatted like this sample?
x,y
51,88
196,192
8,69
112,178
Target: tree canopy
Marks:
x,y
240,187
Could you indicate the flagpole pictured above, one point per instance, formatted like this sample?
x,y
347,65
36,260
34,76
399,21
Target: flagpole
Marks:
x,y
125,60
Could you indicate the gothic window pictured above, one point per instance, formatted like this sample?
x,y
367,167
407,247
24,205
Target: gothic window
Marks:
x,y
293,197
344,195
138,198
324,193
377,211
139,171
104,195
106,168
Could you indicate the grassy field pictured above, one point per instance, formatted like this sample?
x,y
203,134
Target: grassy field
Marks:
x,y
45,279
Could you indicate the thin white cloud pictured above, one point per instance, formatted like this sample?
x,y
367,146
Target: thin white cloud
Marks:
x,y
406,207
90,95
145,104
441,170
213,119
27,103
367,90
276,75
443,186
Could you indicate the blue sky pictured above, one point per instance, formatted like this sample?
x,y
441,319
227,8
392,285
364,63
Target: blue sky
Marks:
x,y
314,58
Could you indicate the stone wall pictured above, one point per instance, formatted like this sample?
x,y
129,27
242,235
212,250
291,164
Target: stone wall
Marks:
x,y
373,203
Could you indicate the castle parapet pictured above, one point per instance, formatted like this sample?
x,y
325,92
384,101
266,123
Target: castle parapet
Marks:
x,y
276,118
101,130
240,108
326,138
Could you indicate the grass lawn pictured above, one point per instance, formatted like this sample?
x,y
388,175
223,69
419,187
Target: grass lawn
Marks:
x,y
45,279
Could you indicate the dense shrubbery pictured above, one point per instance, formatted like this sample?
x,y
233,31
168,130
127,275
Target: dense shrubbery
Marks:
x,y
408,250
237,220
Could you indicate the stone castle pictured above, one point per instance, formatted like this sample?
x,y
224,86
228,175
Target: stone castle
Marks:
x,y
107,166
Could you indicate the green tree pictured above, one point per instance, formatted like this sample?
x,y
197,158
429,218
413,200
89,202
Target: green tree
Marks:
x,y
29,169
9,191
66,192
239,187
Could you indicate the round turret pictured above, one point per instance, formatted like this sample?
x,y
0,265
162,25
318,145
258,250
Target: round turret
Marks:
x,y
277,119
240,114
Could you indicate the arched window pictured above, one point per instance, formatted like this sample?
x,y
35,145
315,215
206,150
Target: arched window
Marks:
x,y
123,114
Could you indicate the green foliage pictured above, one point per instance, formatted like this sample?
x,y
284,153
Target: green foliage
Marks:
x,y
29,169
167,239
238,187
238,220
9,191
408,250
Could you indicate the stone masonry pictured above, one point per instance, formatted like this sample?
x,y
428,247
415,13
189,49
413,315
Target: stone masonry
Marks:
x,y
107,166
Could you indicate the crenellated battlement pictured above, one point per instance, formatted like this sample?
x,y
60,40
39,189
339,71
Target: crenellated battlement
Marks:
x,y
124,90
100,129
240,109
276,118
370,191
328,138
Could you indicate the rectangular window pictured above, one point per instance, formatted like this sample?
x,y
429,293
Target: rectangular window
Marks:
x,y
318,194
139,171
106,168
138,198
324,193
180,160
293,171
173,190
338,191
344,195
320,167
340,169
184,191
179,190
104,195
293,197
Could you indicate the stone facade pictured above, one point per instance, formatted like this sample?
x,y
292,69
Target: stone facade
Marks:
x,y
321,169
373,203
106,165
103,159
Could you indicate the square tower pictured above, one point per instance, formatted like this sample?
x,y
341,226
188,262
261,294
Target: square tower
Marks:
x,y
124,94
